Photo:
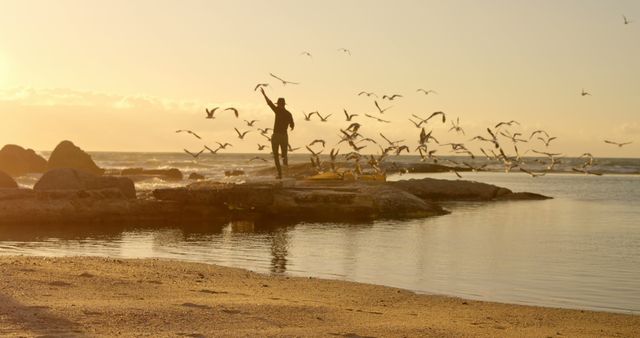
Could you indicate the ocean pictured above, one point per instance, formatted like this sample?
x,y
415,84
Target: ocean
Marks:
x,y
580,249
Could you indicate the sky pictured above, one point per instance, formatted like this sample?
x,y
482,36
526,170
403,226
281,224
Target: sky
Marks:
x,y
124,75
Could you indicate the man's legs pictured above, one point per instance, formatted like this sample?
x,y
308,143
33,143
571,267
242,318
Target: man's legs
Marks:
x,y
284,147
275,143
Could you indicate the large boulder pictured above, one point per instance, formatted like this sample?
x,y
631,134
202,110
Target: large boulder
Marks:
x,y
432,189
72,179
17,161
68,155
6,182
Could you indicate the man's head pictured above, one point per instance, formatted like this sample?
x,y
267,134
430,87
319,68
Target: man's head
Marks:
x,y
281,102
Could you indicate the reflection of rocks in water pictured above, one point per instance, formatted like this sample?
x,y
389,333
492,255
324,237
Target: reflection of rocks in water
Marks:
x,y
279,245
240,226
167,237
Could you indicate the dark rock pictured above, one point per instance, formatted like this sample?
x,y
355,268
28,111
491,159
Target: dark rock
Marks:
x,y
196,177
16,194
234,172
68,155
524,196
6,182
17,161
432,189
172,174
72,179
304,200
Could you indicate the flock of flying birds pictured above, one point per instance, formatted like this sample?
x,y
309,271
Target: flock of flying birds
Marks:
x,y
500,144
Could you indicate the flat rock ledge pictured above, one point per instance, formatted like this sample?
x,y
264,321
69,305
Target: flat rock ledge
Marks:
x,y
258,199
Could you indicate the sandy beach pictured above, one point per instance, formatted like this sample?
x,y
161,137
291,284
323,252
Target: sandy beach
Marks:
x,y
93,296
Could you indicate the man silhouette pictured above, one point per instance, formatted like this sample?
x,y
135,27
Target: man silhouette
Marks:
x,y
280,139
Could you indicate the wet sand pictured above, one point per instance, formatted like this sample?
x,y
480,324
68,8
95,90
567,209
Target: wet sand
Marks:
x,y
92,296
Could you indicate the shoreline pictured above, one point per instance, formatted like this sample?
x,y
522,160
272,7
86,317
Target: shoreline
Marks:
x,y
104,297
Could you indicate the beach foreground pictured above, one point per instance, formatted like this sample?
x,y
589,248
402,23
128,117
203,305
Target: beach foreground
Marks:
x,y
96,296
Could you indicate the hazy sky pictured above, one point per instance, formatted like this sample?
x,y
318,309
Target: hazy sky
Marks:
x,y
124,75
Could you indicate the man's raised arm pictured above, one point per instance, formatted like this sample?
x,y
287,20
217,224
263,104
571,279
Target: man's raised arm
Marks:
x,y
271,105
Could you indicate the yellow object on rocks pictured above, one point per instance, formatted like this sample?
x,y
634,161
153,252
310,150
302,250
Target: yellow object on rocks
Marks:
x,y
325,176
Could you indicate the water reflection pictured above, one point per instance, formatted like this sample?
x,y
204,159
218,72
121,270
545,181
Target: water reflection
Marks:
x,y
279,244
566,252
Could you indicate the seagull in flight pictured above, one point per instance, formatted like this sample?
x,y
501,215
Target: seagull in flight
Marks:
x,y
626,21
586,172
241,135
617,143
307,54
539,131
225,145
264,131
375,118
260,85
284,82
391,143
291,149
317,141
426,92
349,117
194,155
509,123
323,119
308,117
211,150
257,158
417,124
434,114
190,132
235,111
456,126
354,127
380,109
211,112
584,93
250,123
392,97
547,141
367,93
534,175
261,146
344,50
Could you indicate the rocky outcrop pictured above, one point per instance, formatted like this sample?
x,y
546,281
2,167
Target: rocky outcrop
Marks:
x,y
138,174
77,180
17,161
68,155
299,200
81,207
196,177
68,196
432,189
6,182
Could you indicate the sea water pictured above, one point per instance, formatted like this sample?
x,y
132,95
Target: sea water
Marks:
x,y
580,249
